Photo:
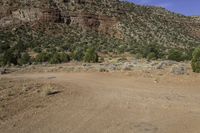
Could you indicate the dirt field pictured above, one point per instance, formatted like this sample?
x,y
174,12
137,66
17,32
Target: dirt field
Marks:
x,y
97,102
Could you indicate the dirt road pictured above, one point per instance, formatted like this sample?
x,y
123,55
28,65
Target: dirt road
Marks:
x,y
111,103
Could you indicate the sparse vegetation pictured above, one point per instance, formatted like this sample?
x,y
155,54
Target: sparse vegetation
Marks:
x,y
53,58
91,56
175,55
151,52
42,57
196,60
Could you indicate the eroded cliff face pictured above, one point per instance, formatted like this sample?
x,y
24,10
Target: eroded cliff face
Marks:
x,y
59,13
103,24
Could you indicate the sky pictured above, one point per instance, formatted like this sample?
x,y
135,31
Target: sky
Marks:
x,y
186,7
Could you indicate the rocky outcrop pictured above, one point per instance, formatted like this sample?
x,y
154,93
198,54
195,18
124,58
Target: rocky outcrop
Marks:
x,y
27,15
57,12
52,15
101,24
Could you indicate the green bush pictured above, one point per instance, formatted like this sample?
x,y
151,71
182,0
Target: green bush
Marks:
x,y
8,58
42,57
55,59
188,54
196,60
25,59
37,49
151,52
59,58
78,54
64,57
175,55
91,56
151,56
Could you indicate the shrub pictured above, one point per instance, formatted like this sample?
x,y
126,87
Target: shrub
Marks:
x,y
188,54
42,57
4,47
151,56
55,59
91,56
59,58
122,48
196,60
151,51
25,59
78,54
64,57
8,58
37,49
176,55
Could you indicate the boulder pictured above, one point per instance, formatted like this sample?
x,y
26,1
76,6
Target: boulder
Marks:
x,y
179,69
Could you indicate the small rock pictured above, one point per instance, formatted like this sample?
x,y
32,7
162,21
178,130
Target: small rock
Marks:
x,y
127,67
156,81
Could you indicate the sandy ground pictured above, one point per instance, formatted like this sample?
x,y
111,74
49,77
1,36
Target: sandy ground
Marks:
x,y
100,103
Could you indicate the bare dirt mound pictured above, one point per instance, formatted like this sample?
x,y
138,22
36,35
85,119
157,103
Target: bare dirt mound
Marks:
x,y
99,102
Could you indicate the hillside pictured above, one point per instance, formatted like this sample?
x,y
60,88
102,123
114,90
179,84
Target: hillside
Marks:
x,y
110,26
